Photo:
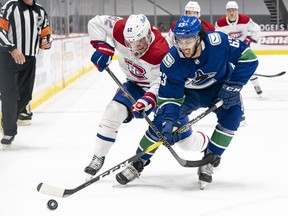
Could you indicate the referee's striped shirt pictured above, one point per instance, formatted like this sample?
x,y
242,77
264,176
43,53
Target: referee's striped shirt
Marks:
x,y
22,27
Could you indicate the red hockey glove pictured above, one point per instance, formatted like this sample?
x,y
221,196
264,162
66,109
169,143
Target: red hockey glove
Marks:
x,y
102,57
248,40
146,103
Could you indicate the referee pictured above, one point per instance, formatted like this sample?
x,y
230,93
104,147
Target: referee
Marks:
x,y
24,28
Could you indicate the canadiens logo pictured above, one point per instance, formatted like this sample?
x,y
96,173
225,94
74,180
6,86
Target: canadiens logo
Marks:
x,y
136,70
235,34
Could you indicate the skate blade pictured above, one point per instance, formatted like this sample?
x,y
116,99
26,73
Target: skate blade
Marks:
x,y
118,185
5,147
243,123
88,177
24,122
202,184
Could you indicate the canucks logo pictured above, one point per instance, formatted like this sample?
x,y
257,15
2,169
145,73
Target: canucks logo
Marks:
x,y
201,80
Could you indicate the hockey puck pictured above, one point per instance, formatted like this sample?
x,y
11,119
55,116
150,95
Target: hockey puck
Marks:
x,y
52,204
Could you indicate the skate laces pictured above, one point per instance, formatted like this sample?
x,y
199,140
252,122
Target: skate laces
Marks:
x,y
206,169
97,162
130,172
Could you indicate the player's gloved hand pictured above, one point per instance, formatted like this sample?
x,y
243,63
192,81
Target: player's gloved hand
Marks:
x,y
102,57
230,93
146,103
167,132
248,40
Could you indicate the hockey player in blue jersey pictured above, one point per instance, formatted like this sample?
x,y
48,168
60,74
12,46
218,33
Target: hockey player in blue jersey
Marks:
x,y
201,69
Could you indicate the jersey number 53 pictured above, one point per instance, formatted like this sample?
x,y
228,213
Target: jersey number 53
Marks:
x,y
163,77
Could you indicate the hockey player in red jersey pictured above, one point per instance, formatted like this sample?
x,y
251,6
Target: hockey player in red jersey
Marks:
x,y
192,8
141,48
242,27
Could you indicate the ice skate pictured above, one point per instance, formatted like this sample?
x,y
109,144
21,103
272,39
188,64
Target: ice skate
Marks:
x,y
258,90
205,173
5,147
94,166
6,142
131,172
24,119
217,162
243,122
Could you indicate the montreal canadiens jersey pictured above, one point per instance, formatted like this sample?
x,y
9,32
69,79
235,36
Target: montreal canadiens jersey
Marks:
x,y
222,58
244,26
145,70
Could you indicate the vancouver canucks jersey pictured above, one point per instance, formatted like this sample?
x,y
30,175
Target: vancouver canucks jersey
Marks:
x,y
222,58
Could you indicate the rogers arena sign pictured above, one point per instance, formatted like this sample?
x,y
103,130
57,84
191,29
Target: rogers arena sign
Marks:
x,y
272,40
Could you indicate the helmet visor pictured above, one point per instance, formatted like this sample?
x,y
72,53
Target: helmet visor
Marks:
x,y
184,43
139,46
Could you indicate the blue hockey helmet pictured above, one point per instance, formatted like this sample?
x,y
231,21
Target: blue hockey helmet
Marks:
x,y
187,27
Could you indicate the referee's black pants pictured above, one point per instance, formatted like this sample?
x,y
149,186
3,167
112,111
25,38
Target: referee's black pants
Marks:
x,y
16,87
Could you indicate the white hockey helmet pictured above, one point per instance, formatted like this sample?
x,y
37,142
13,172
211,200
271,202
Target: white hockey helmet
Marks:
x,y
136,28
232,5
193,6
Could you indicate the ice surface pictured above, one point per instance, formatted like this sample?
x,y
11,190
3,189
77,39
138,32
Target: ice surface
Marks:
x,y
251,179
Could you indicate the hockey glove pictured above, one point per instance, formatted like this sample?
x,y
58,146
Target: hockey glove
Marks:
x,y
146,103
167,132
248,40
230,93
102,57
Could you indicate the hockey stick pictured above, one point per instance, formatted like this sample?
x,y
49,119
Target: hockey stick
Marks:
x,y
200,116
61,192
182,162
270,76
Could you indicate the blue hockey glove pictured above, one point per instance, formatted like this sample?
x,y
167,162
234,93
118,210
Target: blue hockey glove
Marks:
x,y
146,103
102,57
167,132
230,93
